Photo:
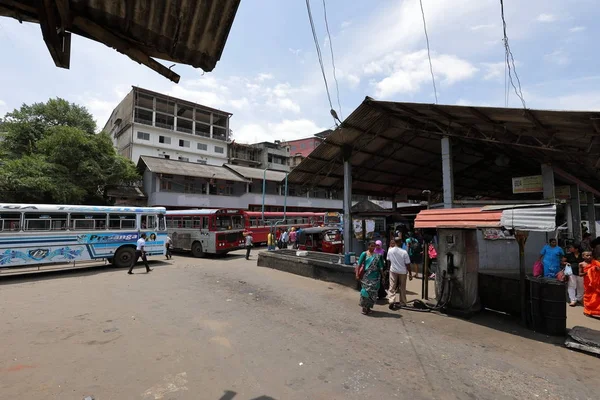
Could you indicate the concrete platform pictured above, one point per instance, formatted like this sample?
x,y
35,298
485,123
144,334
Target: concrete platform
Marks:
x,y
315,265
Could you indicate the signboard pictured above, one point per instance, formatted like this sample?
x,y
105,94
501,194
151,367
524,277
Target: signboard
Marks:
x,y
527,184
562,192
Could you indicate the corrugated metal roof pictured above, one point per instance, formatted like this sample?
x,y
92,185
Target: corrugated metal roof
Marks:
x,y
257,173
532,218
395,149
191,32
458,218
184,168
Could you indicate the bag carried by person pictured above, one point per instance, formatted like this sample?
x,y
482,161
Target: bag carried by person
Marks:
x,y
431,252
568,270
561,276
538,269
359,271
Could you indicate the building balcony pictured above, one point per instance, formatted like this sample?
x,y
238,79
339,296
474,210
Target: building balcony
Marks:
x,y
172,199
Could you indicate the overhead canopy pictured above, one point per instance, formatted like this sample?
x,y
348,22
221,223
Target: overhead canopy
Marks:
x,y
191,32
395,149
256,173
184,168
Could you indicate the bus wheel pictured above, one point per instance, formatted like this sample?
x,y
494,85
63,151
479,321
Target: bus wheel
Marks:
x,y
124,257
197,250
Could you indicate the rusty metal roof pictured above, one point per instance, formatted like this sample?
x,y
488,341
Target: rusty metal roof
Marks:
x,y
191,32
459,218
395,149
185,168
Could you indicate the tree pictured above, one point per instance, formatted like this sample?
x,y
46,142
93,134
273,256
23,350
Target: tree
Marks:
x,y
51,154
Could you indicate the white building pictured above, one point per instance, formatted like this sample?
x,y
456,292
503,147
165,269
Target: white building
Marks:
x,y
147,123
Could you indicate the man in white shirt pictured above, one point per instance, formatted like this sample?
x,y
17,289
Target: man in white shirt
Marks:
x,y
169,246
249,243
140,251
399,267
284,239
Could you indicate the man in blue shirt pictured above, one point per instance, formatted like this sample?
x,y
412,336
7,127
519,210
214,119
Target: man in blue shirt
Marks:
x,y
550,256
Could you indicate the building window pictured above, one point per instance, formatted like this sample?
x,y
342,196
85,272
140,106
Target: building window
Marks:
x,y
143,136
184,143
203,162
165,121
188,187
165,106
144,100
164,139
220,120
185,126
219,133
202,116
184,159
165,185
202,129
302,145
143,116
202,146
185,111
167,157
219,150
293,148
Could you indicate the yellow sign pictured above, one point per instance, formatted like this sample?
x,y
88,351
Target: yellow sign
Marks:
x,y
527,184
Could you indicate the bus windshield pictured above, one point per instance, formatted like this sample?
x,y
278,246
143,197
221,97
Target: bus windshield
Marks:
x,y
223,223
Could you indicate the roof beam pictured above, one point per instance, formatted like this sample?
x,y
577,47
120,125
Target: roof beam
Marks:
x,y
57,40
565,175
102,35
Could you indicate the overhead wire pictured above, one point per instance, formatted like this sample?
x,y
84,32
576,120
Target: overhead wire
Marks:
x,y
428,52
510,60
320,58
337,86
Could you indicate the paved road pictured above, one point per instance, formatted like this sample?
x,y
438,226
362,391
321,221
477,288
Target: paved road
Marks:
x,y
226,329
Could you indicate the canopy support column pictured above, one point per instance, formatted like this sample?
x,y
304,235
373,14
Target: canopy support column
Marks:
x,y
591,214
447,172
576,212
548,182
347,153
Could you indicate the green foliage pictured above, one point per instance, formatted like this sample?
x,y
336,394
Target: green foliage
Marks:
x,y
50,154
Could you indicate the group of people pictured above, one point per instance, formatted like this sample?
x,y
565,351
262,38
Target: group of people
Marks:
x,y
374,264
282,238
580,268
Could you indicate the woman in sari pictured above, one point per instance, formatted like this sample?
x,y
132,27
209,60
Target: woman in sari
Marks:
x,y
591,284
371,279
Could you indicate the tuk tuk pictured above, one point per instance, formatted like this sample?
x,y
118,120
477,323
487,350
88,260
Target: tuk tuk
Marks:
x,y
324,239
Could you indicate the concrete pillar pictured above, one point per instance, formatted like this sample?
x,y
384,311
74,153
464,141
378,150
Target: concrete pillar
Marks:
x,y
548,183
394,205
576,212
591,214
447,172
347,153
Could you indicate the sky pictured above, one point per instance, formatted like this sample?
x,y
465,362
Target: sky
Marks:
x,y
270,80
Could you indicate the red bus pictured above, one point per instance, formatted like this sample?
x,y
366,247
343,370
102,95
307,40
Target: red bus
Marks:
x,y
206,231
260,229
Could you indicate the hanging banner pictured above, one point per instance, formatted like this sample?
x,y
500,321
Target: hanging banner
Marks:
x,y
527,184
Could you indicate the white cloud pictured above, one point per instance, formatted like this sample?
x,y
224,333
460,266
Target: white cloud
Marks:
x,y
406,73
284,130
295,52
346,24
2,103
284,104
546,18
577,29
463,102
494,70
483,26
240,104
264,77
558,57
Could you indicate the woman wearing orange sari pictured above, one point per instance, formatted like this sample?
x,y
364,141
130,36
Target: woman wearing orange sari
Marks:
x,y
591,284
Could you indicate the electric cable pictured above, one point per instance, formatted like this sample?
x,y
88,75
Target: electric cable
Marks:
x,y
510,60
337,87
428,51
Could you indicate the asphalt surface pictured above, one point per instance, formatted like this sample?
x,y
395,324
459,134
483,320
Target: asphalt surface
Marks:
x,y
226,329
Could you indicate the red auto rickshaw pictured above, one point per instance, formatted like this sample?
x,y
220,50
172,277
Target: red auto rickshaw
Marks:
x,y
323,239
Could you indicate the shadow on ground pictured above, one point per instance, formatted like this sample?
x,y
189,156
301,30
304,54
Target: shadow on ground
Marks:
x,y
230,395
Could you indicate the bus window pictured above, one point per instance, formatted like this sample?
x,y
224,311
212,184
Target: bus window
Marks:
x,y
149,222
45,222
237,222
204,222
10,221
121,221
197,222
88,222
187,222
161,223
222,222
173,222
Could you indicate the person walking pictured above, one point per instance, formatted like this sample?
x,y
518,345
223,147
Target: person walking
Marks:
x,y
249,242
399,262
550,256
415,252
293,236
284,239
270,241
169,246
140,251
372,265
575,283
591,282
